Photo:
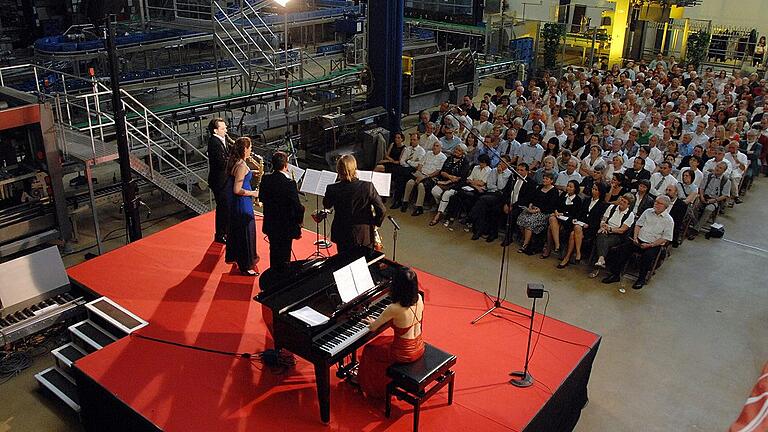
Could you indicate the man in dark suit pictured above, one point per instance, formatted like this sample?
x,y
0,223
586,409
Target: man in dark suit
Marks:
x,y
357,207
218,153
519,194
283,213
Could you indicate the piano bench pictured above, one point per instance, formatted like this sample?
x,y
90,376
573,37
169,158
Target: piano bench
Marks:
x,y
410,381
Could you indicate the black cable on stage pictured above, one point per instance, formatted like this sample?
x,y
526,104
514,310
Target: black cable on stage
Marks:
x,y
279,361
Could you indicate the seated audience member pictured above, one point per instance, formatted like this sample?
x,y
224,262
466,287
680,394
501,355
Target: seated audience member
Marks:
x,y
616,221
392,155
698,151
531,152
423,178
693,165
452,174
548,167
752,148
586,223
410,160
649,164
615,166
633,175
449,141
569,173
740,164
404,315
565,157
533,219
491,211
593,162
677,209
552,147
687,188
718,155
509,145
652,231
713,194
468,190
617,189
473,148
496,182
568,207
643,200
428,138
660,180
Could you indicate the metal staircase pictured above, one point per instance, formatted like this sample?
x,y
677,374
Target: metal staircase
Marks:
x,y
250,42
148,136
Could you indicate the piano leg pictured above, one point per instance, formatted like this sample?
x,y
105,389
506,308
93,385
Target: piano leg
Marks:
x,y
323,379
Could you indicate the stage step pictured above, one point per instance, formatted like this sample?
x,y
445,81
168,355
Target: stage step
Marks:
x,y
112,317
67,354
61,385
89,336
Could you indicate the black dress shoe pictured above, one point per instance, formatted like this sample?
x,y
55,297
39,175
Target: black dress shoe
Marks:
x,y
396,205
249,273
475,236
220,239
418,211
491,238
404,207
506,242
562,266
638,284
612,278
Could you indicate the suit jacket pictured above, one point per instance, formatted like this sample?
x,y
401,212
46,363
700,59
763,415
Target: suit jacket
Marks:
x,y
527,191
645,204
592,218
283,213
353,218
218,153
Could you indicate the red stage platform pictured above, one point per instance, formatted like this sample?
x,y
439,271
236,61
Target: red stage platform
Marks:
x,y
178,281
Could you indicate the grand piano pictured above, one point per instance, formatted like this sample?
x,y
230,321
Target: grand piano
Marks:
x,y
311,283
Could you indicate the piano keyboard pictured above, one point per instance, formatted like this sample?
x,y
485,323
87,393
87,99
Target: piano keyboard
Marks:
x,y
38,317
337,339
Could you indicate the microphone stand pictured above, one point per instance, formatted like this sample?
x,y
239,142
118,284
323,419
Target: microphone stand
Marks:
x,y
504,265
394,237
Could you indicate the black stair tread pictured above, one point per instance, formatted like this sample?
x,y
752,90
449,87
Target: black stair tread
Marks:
x,y
71,353
94,333
62,383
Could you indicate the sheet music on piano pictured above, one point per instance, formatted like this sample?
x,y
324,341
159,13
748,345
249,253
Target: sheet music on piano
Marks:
x,y
353,280
310,316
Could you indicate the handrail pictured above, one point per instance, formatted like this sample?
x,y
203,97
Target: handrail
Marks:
x,y
255,28
245,37
250,6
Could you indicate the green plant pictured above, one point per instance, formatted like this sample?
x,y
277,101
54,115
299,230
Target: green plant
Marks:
x,y
697,47
552,35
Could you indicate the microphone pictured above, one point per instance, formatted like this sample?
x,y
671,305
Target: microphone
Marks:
x,y
391,219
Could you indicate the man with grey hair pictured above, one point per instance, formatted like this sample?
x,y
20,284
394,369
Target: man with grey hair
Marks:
x,y
571,172
713,193
653,230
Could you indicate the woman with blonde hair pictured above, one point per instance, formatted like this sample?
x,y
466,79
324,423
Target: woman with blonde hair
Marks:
x,y
357,206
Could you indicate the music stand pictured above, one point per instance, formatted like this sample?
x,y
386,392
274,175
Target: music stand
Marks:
x,y
315,183
523,377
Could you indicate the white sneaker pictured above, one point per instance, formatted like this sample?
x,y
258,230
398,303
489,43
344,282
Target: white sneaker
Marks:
x,y
600,262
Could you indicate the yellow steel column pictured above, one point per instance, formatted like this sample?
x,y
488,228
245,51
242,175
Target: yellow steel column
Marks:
x,y
618,32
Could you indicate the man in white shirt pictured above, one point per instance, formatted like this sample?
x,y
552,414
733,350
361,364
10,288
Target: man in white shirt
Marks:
x,y
654,228
531,152
660,180
430,168
623,133
484,127
719,156
650,165
740,163
535,118
449,141
689,123
558,133
571,172
656,126
428,138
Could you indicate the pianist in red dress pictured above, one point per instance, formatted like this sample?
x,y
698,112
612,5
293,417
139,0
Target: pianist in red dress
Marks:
x,y
405,315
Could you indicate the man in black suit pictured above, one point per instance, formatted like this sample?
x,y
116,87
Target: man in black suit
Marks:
x,y
218,153
518,194
283,213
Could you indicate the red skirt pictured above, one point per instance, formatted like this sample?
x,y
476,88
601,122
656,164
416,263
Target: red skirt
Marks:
x,y
378,355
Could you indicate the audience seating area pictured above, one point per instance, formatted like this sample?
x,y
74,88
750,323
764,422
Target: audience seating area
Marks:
x,y
620,166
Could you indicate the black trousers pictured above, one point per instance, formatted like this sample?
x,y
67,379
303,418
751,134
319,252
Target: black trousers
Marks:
x,y
222,212
618,256
483,214
279,252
